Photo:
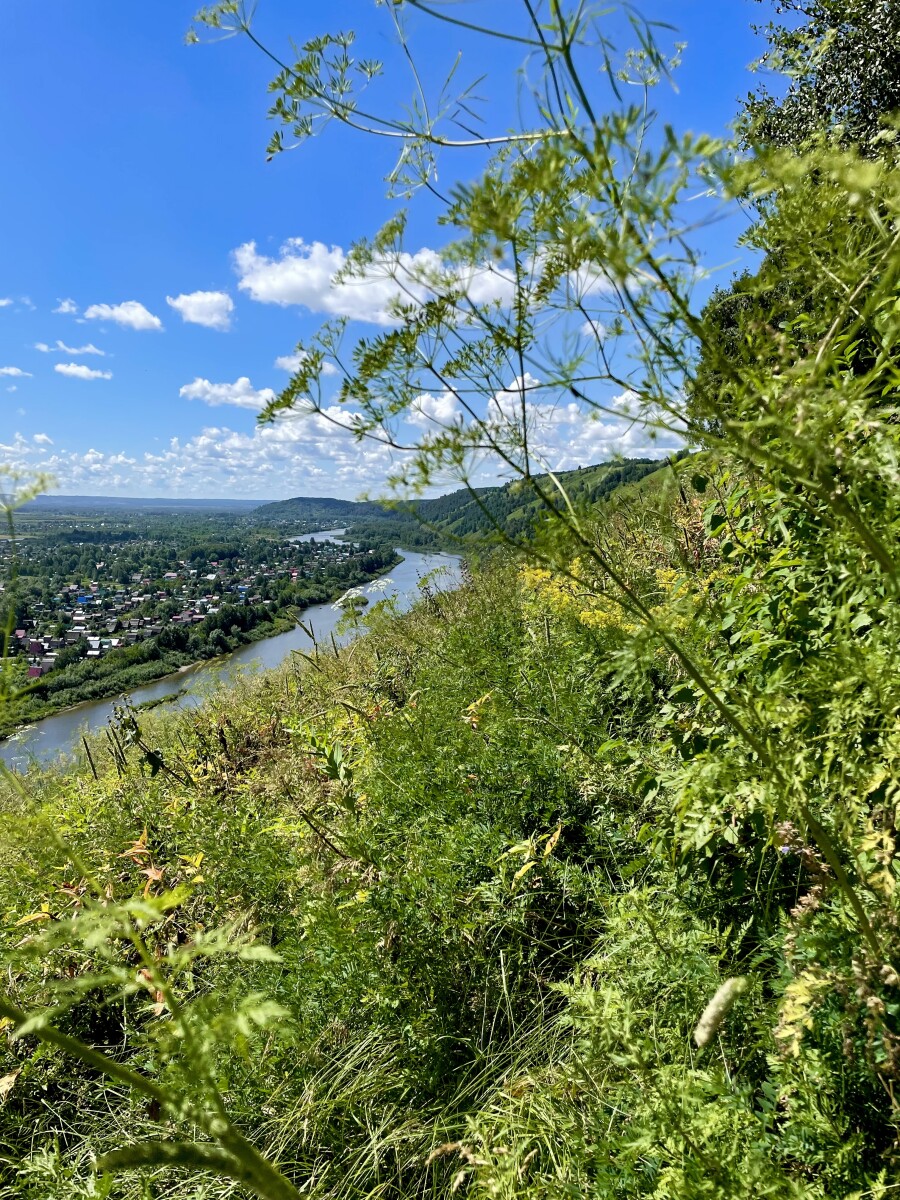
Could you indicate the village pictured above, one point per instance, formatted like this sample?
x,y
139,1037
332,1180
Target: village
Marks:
x,y
88,619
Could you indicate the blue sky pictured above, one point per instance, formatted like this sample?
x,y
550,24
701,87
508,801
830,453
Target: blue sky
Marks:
x,y
136,185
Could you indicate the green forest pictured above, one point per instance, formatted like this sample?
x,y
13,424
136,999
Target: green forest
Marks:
x,y
580,879
467,519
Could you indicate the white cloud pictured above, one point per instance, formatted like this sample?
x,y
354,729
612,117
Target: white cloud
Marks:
x,y
62,348
14,388
5,301
488,284
212,309
15,372
41,439
290,362
291,457
563,434
66,307
80,371
240,393
303,273
18,446
313,455
593,329
293,362
428,411
129,313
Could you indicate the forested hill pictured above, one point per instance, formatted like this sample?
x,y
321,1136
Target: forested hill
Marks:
x,y
460,514
314,510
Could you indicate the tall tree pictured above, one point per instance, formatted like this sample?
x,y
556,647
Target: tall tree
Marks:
x,y
842,58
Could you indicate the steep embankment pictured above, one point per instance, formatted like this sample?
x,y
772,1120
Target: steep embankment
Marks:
x,y
454,900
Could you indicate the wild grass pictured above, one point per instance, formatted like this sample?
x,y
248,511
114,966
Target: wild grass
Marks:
x,y
443,911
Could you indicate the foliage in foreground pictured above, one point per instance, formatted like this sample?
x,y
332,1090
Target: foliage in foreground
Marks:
x,y
447,909
581,881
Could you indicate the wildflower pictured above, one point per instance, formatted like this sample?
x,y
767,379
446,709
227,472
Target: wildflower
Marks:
x,y
347,599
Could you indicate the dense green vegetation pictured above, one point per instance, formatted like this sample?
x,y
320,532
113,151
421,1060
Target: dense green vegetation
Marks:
x,y
578,881
466,518
498,858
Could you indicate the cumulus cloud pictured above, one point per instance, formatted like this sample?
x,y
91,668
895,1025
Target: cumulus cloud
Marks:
x,y
212,309
563,434
5,301
593,329
41,439
66,307
241,393
15,372
130,313
314,455
62,348
427,410
80,371
304,273
293,362
291,457
18,445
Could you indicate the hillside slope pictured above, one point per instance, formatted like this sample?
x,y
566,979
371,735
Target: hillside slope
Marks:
x,y
459,515
495,897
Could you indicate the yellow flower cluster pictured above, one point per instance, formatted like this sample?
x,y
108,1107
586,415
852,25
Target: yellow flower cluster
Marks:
x,y
567,596
572,596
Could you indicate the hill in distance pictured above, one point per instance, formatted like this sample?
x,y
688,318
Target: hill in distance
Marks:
x,y
440,520
120,504
458,515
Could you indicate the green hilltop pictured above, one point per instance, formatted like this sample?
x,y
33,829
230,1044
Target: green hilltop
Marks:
x,y
461,515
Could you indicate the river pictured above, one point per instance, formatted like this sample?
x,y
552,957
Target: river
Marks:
x,y
60,735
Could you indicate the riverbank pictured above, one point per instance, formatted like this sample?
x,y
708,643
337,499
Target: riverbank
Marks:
x,y
45,740
164,664
169,664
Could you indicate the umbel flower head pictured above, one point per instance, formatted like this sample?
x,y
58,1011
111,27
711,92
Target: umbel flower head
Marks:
x,y
348,599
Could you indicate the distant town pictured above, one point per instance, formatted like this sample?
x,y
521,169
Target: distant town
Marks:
x,y
89,619
101,603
